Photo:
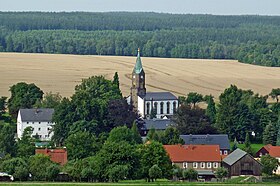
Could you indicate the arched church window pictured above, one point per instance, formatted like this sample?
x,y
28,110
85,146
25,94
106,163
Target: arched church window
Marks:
x,y
148,108
168,107
174,106
161,107
155,107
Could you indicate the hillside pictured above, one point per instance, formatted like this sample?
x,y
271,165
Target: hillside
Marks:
x,y
60,73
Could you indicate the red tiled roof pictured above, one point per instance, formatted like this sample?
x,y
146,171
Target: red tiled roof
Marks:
x,y
193,153
273,151
56,155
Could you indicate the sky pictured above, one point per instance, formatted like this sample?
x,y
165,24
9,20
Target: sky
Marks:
x,y
218,7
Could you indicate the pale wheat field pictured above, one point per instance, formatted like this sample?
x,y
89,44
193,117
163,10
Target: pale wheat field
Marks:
x,y
60,73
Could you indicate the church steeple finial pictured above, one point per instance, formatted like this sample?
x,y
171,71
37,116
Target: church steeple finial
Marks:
x,y
138,66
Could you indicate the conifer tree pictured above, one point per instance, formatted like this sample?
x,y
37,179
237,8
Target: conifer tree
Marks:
x,y
116,80
270,134
247,143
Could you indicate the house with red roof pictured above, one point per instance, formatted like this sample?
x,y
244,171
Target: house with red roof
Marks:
x,y
205,159
56,155
273,151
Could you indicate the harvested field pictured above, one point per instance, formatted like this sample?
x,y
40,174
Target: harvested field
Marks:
x,y
60,73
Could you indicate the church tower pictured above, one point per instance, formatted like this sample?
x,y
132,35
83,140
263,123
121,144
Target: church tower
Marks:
x,y
138,82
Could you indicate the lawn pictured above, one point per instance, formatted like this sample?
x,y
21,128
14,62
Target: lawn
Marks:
x,y
136,183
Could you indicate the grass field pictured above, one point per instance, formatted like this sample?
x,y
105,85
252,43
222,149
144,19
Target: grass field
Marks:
x,y
60,73
132,184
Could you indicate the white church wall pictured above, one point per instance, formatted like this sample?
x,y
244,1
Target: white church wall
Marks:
x,y
159,114
141,106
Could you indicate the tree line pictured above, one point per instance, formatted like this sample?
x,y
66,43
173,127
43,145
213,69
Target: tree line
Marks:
x,y
248,39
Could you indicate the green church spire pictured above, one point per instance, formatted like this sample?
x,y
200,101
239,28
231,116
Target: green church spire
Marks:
x,y
138,66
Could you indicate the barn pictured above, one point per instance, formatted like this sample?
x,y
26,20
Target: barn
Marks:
x,y
240,162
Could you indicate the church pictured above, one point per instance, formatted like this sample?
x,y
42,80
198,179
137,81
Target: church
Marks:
x,y
159,104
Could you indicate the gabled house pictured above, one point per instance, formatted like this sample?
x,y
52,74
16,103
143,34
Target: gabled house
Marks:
x,y
56,155
39,119
240,162
209,139
273,151
205,159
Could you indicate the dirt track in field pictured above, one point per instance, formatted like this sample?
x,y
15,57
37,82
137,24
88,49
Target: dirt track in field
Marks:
x,y
60,73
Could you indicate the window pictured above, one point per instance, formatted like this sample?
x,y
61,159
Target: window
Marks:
x,y
46,136
39,129
161,108
168,107
174,106
194,165
202,165
209,165
27,122
39,122
148,108
32,122
185,165
155,107
215,165
225,152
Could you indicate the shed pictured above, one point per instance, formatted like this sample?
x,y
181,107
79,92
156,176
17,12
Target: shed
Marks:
x,y
240,162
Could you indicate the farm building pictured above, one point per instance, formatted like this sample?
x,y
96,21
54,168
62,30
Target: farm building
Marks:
x,y
209,139
39,119
56,155
273,151
240,162
205,159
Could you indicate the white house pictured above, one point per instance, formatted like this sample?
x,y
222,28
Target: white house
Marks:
x,y
163,104
39,119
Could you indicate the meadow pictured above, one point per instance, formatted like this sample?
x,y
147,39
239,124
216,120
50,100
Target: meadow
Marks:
x,y
60,73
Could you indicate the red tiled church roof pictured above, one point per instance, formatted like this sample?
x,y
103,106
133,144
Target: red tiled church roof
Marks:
x,y
193,153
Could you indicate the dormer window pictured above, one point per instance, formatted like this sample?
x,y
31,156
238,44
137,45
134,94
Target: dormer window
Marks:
x,y
142,77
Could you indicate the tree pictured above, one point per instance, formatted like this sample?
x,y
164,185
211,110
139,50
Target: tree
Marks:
x,y
153,114
16,167
153,135
118,154
235,144
233,115
52,172
153,153
21,173
221,173
118,172
116,80
87,173
192,121
38,165
171,136
177,172
270,134
247,144
119,114
211,108
23,95
50,100
7,139
136,134
269,163
120,134
2,106
194,98
278,133
81,145
190,174
155,172
275,93
25,145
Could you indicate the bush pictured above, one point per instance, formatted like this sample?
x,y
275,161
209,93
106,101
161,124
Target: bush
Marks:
x,y
190,174
155,172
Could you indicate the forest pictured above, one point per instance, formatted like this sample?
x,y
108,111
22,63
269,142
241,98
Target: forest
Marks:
x,y
248,39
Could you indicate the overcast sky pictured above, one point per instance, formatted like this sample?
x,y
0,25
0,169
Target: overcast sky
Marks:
x,y
220,7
